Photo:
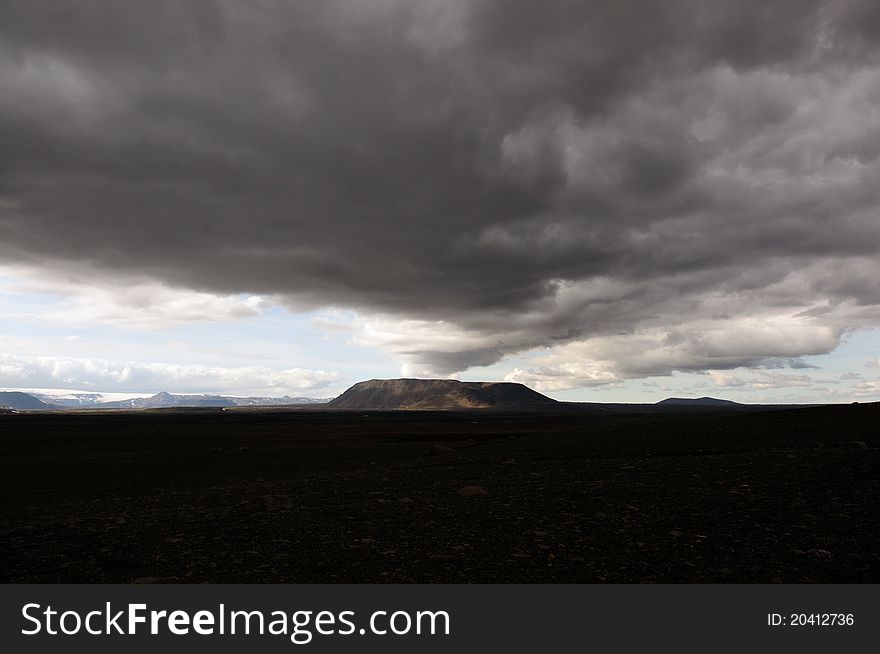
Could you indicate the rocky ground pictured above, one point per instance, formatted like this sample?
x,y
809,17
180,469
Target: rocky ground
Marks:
x,y
275,496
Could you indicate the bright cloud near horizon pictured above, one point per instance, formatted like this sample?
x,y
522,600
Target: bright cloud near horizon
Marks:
x,y
610,201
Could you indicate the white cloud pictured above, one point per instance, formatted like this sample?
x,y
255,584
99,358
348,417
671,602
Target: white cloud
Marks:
x,y
450,347
765,380
563,376
139,377
867,389
84,299
726,379
702,344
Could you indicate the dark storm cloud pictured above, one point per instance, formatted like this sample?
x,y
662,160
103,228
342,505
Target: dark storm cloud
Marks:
x,y
532,173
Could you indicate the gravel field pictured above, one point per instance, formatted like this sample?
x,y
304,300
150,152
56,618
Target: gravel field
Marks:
x,y
479,496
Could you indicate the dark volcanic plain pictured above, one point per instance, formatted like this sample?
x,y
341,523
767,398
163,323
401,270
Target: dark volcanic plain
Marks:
x,y
623,495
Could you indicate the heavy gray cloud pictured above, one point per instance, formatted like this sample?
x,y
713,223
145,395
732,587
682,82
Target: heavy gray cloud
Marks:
x,y
651,175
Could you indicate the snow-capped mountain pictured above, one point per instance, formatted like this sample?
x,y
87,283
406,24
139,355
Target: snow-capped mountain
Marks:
x,y
86,400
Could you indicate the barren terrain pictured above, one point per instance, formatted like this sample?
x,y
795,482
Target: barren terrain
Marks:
x,y
471,496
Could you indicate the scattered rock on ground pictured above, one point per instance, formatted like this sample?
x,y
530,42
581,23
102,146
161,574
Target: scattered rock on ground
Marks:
x,y
277,502
472,491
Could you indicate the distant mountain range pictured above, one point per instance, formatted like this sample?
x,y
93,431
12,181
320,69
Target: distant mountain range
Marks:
x,y
438,394
375,394
45,402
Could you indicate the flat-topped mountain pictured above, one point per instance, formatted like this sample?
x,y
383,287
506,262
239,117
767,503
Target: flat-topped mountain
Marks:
x,y
428,394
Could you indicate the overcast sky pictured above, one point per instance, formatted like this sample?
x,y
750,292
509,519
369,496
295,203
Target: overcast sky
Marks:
x,y
603,200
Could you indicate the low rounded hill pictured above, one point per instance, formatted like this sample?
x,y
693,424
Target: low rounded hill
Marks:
x,y
435,394
21,401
